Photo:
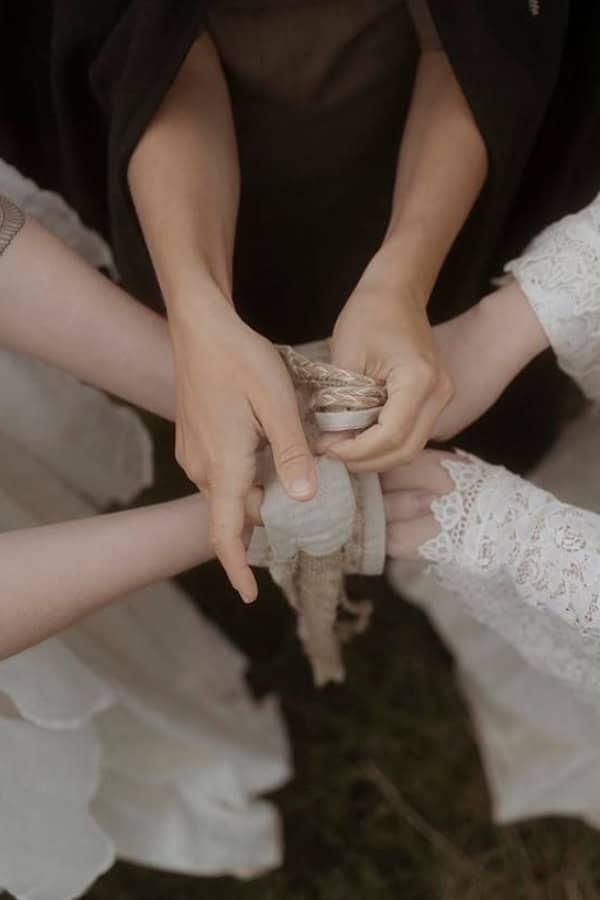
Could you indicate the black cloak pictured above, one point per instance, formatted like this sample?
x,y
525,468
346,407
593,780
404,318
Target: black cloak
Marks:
x,y
82,80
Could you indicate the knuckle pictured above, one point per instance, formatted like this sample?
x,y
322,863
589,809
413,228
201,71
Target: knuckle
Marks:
x,y
192,469
413,505
405,456
193,466
445,386
197,473
218,543
291,453
217,471
424,372
180,453
222,466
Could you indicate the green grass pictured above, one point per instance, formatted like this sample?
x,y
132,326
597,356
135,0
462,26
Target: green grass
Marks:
x,y
388,800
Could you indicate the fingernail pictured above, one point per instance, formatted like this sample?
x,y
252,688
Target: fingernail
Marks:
x,y
300,487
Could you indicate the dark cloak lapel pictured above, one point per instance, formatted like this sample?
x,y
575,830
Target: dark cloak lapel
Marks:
x,y
86,79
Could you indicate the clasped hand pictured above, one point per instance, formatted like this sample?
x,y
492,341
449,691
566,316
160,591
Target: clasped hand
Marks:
x,y
234,394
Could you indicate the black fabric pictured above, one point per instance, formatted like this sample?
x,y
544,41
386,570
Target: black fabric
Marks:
x,y
318,175
91,76
85,79
563,171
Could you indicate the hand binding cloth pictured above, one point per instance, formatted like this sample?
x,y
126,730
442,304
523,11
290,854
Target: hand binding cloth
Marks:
x,y
310,547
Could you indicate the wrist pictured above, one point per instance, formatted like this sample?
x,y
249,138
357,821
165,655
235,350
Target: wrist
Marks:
x,y
402,265
390,274
196,292
509,320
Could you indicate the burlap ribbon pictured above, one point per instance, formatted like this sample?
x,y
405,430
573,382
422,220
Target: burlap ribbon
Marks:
x,y
310,547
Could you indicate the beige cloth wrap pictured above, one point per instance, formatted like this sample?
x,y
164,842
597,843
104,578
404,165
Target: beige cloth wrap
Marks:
x,y
309,547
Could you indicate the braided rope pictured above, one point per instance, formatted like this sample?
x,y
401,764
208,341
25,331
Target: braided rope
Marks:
x,y
332,389
11,222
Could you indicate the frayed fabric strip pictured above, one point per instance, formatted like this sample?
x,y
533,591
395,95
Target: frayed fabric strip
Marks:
x,y
310,547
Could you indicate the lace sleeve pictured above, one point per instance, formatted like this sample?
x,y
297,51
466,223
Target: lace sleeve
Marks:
x,y
11,222
524,564
560,274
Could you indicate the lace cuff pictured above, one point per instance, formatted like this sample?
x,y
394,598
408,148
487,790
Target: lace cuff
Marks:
x,y
495,524
560,274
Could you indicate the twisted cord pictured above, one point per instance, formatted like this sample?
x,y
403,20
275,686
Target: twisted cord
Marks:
x,y
332,389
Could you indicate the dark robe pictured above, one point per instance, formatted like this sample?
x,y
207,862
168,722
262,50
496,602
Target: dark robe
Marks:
x,y
84,79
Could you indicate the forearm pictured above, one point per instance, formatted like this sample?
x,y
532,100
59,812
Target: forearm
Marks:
x,y
56,574
57,308
442,166
184,180
483,350
510,332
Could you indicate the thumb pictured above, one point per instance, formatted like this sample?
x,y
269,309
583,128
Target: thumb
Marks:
x,y
294,463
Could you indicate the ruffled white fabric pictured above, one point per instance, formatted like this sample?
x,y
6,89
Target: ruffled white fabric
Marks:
x,y
133,733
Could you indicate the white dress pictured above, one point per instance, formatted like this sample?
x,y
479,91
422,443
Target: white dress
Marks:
x,y
133,733
515,584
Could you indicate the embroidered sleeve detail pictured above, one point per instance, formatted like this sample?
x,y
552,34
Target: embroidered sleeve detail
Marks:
x,y
560,274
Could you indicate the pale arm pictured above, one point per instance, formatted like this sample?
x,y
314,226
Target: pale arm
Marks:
x,y
232,388
57,308
54,306
53,575
553,301
185,182
383,329
441,169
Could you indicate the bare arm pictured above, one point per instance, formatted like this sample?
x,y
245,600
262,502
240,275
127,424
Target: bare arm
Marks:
x,y
441,169
57,308
54,575
383,329
232,388
185,183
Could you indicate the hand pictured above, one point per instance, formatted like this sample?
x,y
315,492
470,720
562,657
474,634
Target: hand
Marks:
x,y
387,336
233,392
408,492
483,351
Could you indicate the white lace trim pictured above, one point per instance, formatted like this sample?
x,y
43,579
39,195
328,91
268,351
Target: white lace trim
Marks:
x,y
560,274
524,564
